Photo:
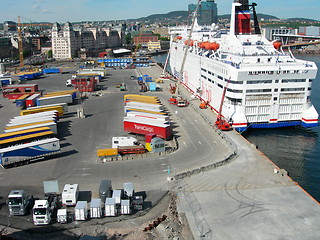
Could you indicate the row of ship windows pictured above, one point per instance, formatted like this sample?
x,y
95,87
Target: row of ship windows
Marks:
x,y
277,72
266,90
260,82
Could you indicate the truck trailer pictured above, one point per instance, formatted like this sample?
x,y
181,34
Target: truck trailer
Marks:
x,y
24,153
55,99
144,127
70,194
64,106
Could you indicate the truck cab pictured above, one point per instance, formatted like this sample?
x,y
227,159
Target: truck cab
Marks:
x,y
41,212
19,202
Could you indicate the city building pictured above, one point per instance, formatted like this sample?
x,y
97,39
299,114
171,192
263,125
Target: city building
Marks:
x,y
143,39
10,26
309,31
269,32
207,12
154,46
68,43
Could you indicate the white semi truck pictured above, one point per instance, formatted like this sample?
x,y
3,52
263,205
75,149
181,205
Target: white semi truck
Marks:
x,y
19,203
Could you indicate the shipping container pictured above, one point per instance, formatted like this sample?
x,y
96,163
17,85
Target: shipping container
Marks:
x,y
23,88
96,208
51,70
16,95
31,100
117,195
21,101
44,109
128,190
5,136
110,209
125,207
105,189
141,97
64,106
70,194
55,99
144,127
74,93
62,216
164,118
107,152
128,109
20,125
51,125
53,114
81,211
38,120
145,106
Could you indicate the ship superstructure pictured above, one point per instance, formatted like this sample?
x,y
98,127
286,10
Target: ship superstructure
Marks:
x,y
266,87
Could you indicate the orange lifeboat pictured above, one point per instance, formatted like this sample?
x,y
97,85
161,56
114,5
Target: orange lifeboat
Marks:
x,y
179,37
212,46
277,45
201,44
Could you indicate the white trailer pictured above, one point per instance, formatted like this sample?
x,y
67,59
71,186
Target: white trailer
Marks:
x,y
96,208
124,141
55,99
29,120
125,207
53,113
62,216
117,194
51,125
81,211
165,118
64,106
110,209
145,106
70,194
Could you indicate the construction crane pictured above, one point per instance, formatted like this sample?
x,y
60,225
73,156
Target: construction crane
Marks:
x,y
177,99
221,123
20,44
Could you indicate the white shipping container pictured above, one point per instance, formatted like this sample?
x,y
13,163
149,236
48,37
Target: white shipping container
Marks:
x,y
70,194
125,207
62,216
40,114
126,108
55,99
117,196
110,209
81,211
64,106
29,120
146,121
128,189
149,116
96,208
146,106
51,125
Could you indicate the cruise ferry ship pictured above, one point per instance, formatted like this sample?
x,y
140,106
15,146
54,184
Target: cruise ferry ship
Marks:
x,y
265,86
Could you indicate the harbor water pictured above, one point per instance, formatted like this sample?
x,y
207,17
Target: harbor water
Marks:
x,y
295,149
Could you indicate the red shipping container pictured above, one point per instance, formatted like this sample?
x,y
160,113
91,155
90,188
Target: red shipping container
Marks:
x,y
160,130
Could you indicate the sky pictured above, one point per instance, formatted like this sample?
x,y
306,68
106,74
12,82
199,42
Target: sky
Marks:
x,y
100,10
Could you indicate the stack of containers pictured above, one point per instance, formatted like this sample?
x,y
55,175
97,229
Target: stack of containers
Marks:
x,y
146,116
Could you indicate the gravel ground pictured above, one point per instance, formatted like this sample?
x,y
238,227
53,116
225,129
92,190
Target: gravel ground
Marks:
x,y
161,222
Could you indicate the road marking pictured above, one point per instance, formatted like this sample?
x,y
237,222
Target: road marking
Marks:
x,y
185,144
196,120
85,169
86,174
200,142
86,161
162,158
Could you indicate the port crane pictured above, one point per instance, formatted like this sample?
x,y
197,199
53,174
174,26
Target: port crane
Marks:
x,y
221,123
176,98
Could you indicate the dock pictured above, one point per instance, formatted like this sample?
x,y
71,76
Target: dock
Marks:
x,y
248,197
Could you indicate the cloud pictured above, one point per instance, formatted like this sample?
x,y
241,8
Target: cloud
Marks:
x,y
35,7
